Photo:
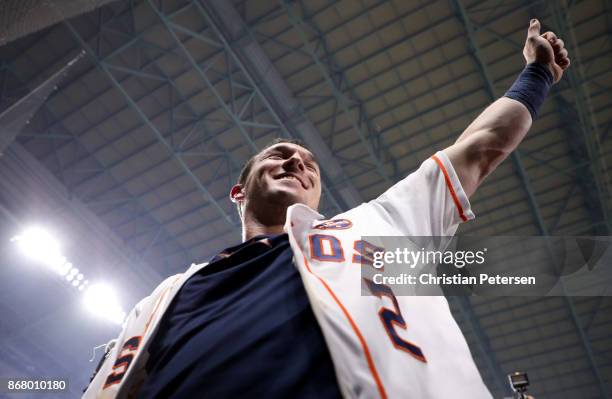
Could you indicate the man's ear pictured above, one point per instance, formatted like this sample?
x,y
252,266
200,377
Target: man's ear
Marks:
x,y
237,193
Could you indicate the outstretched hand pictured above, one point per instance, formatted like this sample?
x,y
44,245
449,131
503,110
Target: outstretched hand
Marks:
x,y
546,49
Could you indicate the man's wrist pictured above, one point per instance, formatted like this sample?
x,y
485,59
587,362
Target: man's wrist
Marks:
x,y
531,87
543,68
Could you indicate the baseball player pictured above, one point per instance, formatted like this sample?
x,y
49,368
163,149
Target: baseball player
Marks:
x,y
281,315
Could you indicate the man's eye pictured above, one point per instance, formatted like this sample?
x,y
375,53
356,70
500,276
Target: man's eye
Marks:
x,y
274,156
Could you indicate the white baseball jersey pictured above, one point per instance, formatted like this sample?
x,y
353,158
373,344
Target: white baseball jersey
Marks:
x,y
382,346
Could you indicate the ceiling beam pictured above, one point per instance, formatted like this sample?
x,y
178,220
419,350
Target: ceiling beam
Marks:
x,y
362,125
15,117
276,95
29,17
152,127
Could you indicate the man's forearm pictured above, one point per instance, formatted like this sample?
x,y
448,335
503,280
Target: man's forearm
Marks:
x,y
502,125
488,140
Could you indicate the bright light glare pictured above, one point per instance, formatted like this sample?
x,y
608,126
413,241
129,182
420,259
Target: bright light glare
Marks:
x,y
56,263
100,299
39,245
63,270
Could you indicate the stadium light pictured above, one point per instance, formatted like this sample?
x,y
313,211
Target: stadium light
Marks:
x,y
100,299
64,269
39,245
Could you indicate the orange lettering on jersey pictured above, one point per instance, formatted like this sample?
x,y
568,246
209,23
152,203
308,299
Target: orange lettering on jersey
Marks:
x,y
124,359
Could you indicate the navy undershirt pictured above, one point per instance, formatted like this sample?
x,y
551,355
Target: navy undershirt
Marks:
x,y
242,327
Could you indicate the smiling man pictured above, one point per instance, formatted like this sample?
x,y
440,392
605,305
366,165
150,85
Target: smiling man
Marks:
x,y
281,314
282,174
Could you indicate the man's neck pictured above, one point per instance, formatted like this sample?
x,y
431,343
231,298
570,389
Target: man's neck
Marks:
x,y
252,227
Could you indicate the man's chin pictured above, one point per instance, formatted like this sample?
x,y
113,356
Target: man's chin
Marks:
x,y
289,200
286,198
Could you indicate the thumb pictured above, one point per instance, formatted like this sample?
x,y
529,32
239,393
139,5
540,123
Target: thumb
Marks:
x,y
534,28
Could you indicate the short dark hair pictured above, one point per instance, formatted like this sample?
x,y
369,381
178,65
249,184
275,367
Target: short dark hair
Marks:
x,y
246,169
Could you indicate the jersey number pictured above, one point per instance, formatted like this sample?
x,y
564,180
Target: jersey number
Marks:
x,y
123,361
393,318
327,248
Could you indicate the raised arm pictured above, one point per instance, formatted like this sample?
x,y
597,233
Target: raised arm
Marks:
x,y
499,129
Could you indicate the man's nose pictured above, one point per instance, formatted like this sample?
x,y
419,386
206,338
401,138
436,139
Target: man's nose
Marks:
x,y
295,161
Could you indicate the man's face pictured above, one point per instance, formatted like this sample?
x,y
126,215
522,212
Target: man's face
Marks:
x,y
283,175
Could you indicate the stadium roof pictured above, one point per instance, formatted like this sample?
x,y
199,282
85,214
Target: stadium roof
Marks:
x,y
140,139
